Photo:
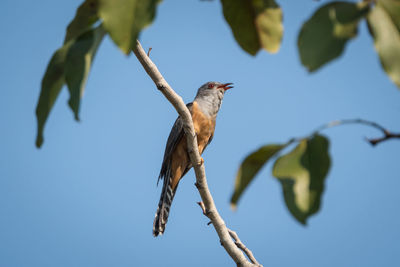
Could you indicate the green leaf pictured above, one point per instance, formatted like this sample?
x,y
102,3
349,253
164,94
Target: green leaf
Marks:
x,y
78,62
55,75
255,24
392,7
384,28
323,37
53,81
124,19
85,17
250,167
302,173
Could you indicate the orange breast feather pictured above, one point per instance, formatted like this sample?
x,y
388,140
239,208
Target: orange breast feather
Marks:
x,y
204,128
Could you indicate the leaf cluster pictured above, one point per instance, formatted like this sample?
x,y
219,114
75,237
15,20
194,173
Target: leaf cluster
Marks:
x,y
70,64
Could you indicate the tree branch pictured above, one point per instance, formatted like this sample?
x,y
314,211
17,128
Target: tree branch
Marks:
x,y
373,141
240,245
235,237
201,183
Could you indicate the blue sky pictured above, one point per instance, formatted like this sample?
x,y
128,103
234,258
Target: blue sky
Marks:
x,y
88,197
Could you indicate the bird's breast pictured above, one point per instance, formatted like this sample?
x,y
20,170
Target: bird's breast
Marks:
x,y
203,125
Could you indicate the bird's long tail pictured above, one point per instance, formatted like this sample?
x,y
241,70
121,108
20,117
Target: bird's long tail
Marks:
x,y
161,218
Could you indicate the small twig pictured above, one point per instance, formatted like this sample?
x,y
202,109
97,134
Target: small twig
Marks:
x,y
373,141
240,245
350,121
203,208
235,237
148,52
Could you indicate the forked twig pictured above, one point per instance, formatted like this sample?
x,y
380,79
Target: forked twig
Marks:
x,y
235,237
373,141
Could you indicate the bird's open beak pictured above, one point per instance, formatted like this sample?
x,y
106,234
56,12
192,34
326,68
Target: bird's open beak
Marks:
x,y
226,86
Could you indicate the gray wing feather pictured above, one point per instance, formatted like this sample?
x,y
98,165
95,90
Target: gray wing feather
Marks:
x,y
174,138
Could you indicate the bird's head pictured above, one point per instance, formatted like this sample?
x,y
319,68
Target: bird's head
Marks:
x,y
214,89
210,95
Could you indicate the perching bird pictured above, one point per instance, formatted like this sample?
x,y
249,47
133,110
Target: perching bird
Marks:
x,y
176,162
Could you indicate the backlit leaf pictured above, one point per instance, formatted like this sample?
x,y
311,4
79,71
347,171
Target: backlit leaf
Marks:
x,y
393,8
383,24
52,82
323,37
302,174
255,24
250,167
85,17
124,19
77,65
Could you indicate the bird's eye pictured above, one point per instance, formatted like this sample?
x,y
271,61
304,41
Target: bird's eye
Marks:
x,y
211,85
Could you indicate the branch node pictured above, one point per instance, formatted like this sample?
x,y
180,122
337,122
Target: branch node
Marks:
x,y
201,162
203,208
199,186
205,211
241,246
372,142
160,86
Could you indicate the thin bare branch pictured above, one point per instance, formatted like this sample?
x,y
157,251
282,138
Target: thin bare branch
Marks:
x,y
240,245
203,208
235,237
373,141
201,182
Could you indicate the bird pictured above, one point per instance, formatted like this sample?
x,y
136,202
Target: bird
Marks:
x,y
176,162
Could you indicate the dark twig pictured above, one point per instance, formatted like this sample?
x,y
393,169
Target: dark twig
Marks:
x,y
373,141
203,208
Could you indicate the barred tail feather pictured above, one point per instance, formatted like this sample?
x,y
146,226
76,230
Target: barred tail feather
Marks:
x,y
161,218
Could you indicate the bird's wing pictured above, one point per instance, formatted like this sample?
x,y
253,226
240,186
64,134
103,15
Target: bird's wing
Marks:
x,y
174,137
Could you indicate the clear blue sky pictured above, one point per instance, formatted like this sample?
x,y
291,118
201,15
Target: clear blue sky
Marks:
x,y
88,197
